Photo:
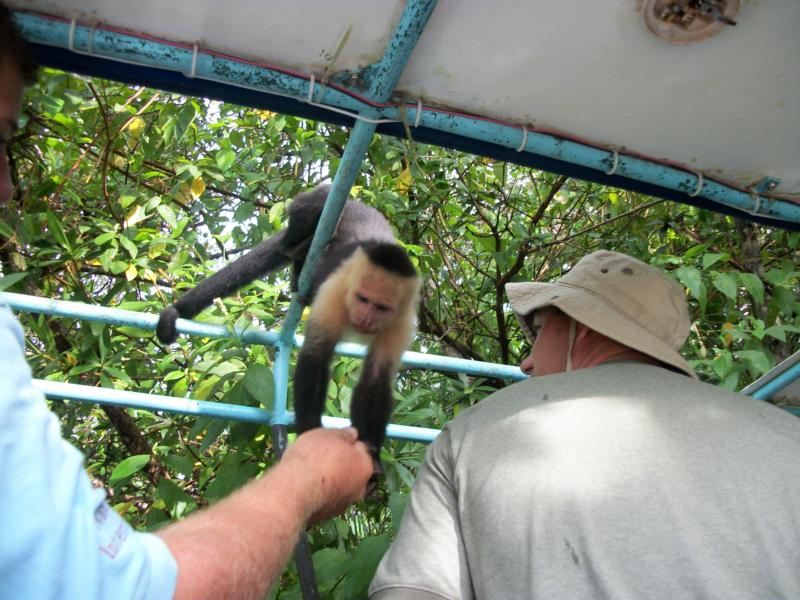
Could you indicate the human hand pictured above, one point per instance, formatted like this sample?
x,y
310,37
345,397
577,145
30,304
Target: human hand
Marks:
x,y
334,465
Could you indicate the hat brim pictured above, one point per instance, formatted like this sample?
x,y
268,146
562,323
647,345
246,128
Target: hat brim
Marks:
x,y
595,312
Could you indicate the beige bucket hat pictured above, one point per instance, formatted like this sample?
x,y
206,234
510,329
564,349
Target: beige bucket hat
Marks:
x,y
619,296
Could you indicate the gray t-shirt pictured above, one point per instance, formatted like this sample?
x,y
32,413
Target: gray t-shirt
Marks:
x,y
623,481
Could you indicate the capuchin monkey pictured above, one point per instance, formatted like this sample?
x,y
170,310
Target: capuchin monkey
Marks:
x,y
363,285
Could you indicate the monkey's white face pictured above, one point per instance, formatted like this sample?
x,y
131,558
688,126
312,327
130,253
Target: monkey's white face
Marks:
x,y
372,301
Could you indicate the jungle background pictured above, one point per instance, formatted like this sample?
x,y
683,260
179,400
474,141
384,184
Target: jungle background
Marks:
x,y
127,196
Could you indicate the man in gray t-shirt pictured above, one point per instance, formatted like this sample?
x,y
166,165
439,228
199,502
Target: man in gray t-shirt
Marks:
x,y
613,473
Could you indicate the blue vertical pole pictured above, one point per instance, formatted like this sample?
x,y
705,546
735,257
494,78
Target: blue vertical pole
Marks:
x,y
387,72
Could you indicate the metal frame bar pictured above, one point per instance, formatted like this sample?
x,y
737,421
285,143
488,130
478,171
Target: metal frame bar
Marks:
x,y
529,146
117,316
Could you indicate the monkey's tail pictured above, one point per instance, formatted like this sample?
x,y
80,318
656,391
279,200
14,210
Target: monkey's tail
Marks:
x,y
165,329
268,256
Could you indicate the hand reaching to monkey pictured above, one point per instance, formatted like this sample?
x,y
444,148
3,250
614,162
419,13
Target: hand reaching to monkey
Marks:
x,y
238,547
336,466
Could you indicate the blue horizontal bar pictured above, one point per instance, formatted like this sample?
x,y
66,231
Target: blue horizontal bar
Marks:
x,y
595,158
201,408
117,316
769,389
126,48
185,406
129,318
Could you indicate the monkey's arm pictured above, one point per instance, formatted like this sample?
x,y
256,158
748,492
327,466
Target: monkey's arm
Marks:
x,y
268,256
373,397
371,405
311,377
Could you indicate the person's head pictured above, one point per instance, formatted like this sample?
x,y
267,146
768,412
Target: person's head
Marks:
x,y
17,69
608,299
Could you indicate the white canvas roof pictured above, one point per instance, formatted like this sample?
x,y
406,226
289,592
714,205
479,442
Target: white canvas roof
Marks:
x,y
727,105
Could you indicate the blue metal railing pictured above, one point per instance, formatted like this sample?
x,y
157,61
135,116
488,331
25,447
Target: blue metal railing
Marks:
x,y
116,316
118,46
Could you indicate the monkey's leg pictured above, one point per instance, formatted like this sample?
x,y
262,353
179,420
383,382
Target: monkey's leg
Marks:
x,y
371,408
311,377
268,256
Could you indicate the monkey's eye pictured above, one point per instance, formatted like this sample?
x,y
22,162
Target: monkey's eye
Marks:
x,y
382,307
361,298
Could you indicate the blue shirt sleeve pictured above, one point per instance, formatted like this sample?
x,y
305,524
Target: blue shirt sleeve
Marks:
x,y
60,539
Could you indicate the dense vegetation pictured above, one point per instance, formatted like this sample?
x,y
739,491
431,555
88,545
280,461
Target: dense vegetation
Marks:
x,y
127,196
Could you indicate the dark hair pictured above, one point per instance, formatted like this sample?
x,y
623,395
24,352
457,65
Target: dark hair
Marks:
x,y
14,47
390,257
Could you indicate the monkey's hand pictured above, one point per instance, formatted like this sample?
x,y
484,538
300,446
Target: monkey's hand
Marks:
x,y
165,330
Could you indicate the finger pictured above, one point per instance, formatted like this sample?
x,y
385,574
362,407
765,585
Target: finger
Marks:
x,y
351,433
362,448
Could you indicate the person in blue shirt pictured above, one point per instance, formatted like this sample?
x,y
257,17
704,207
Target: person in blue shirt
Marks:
x,y
60,539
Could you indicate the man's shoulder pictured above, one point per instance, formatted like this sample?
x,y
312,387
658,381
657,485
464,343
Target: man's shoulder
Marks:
x,y
609,385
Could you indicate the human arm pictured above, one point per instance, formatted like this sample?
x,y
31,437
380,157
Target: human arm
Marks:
x,y
428,559
237,548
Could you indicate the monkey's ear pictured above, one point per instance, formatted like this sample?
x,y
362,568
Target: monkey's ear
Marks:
x,y
165,330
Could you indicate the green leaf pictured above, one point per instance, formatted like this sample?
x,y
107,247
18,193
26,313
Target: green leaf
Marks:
x,y
722,364
712,259
104,237
173,375
129,246
694,251
178,260
204,390
9,280
756,360
692,279
329,566
180,464
259,383
241,434
6,231
173,496
185,118
225,158
784,300
363,565
134,305
776,331
57,231
168,214
45,188
226,368
276,213
215,429
342,528
128,467
726,284
754,285
126,200
232,474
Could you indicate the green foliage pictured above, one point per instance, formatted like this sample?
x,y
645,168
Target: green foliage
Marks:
x,y
127,197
